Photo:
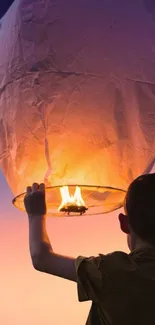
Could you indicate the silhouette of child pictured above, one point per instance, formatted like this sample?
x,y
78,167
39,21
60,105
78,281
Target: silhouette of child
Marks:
x,y
121,286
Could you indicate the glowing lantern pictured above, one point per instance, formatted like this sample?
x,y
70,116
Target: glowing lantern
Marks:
x,y
77,101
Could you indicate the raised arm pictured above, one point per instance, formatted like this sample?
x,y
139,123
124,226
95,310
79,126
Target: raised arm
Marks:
x,y
43,257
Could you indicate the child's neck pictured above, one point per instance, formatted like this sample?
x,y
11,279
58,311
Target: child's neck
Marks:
x,y
140,244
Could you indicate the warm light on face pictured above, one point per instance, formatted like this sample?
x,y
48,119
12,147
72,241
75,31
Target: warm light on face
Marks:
x,y
71,202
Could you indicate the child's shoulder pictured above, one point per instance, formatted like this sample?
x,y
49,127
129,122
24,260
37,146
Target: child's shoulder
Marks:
x,y
119,260
116,258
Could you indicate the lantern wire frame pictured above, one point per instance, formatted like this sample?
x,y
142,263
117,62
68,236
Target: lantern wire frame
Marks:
x,y
98,199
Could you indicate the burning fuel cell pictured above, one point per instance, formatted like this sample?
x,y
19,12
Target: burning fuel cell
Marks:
x,y
72,203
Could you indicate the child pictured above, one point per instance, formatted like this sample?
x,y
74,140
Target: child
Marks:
x,y
121,286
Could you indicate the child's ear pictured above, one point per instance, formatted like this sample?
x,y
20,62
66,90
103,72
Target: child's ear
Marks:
x,y
123,219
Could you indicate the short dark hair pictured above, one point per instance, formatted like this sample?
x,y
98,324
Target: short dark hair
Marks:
x,y
140,207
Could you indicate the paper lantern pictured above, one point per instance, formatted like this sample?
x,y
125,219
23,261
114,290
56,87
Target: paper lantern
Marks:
x,y
77,93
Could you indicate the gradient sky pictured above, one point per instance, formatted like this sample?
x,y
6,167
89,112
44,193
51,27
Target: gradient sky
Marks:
x,y
4,5
28,297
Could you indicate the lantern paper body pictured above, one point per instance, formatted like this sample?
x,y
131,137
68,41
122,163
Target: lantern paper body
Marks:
x,y
77,92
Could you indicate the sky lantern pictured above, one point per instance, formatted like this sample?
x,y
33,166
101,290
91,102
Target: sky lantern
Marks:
x,y
77,100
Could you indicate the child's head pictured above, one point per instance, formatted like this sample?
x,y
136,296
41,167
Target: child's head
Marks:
x,y
138,222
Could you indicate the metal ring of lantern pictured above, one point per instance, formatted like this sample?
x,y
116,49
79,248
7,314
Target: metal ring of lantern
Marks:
x,y
97,200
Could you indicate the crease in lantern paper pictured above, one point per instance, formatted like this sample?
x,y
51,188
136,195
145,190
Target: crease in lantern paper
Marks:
x,y
41,110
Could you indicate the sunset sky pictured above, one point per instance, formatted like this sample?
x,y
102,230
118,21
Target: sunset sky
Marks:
x,y
28,297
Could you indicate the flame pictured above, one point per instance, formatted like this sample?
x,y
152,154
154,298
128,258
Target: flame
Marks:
x,y
68,200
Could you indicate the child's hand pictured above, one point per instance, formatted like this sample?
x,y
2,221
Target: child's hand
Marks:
x,y
34,200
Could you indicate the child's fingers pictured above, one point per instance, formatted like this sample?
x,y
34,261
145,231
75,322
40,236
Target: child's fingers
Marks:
x,y
28,190
35,187
42,187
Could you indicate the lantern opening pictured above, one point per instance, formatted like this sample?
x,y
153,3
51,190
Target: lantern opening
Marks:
x,y
72,203
68,200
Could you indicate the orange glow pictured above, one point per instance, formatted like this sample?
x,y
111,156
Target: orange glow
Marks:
x,y
68,200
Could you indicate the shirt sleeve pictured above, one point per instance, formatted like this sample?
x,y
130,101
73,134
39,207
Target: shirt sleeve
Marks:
x,y
89,278
98,277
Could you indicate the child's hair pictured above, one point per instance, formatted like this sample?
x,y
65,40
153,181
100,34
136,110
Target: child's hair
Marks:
x,y
140,207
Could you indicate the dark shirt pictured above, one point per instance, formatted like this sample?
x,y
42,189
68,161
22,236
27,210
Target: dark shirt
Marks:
x,y
121,287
